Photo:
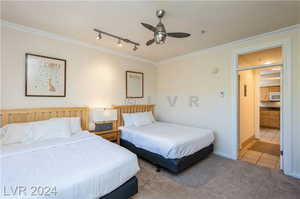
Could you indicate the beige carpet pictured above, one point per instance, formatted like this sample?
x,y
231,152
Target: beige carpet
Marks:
x,y
217,178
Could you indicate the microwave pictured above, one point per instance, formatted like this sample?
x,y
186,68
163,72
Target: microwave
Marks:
x,y
274,96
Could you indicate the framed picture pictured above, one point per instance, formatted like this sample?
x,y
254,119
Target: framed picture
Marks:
x,y
134,84
45,76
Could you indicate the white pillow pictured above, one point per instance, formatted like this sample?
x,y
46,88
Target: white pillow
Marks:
x,y
16,133
74,122
127,119
141,119
151,117
48,129
2,132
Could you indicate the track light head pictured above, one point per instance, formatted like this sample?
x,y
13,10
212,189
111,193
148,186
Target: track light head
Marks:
x,y
99,36
119,43
119,39
135,48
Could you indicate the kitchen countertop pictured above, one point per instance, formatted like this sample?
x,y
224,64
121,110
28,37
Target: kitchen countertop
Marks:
x,y
270,107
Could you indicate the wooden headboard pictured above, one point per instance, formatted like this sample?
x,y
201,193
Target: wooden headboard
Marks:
x,y
38,114
131,109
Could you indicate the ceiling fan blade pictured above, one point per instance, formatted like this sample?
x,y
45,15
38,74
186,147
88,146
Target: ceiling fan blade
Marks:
x,y
149,27
178,34
151,41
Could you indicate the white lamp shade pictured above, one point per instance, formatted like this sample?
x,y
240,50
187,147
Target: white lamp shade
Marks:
x,y
101,115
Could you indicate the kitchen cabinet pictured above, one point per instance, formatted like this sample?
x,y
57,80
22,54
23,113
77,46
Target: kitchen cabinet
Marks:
x,y
274,89
265,92
270,117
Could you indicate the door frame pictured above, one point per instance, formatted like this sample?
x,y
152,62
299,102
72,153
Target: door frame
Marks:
x,y
286,98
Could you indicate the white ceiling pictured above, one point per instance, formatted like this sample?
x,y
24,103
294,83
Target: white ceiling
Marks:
x,y
223,21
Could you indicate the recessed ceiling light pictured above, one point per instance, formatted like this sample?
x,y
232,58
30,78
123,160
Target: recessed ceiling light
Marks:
x,y
276,68
268,62
271,78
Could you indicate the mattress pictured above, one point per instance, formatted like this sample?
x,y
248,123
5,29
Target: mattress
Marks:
x,y
169,140
82,166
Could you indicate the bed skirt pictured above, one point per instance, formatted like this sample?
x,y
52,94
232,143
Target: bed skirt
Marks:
x,y
125,191
173,165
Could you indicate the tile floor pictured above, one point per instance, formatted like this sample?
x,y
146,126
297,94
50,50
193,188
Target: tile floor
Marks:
x,y
263,159
269,135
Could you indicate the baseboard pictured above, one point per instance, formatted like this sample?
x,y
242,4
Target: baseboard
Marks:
x,y
224,155
246,142
294,175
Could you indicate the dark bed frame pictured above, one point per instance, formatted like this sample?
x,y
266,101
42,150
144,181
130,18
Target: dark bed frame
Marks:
x,y
125,191
173,165
130,188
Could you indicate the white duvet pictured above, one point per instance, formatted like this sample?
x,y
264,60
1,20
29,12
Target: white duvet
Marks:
x,y
172,141
84,166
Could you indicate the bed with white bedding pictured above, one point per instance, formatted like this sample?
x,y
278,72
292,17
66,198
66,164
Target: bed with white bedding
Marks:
x,y
78,167
172,141
43,156
171,146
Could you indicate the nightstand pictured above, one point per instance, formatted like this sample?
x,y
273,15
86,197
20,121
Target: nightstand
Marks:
x,y
110,135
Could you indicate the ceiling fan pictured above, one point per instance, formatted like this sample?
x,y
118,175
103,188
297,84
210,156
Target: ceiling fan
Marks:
x,y
160,33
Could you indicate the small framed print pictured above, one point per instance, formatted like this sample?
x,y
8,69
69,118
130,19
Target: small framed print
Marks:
x,y
45,76
134,84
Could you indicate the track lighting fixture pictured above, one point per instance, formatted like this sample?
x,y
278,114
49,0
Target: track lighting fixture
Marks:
x,y
120,39
99,36
119,43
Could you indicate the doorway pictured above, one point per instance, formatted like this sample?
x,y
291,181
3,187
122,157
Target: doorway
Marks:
x,y
259,115
285,101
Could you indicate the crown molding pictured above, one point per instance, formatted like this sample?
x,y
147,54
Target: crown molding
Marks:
x,y
50,35
233,43
55,36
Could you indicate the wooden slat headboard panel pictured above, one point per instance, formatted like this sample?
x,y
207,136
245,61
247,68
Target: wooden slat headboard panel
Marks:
x,y
131,109
38,114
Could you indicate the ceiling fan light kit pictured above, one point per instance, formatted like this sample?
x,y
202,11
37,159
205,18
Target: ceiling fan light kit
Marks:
x,y
159,31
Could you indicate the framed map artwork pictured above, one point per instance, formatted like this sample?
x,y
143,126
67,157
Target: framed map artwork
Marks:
x,y
45,76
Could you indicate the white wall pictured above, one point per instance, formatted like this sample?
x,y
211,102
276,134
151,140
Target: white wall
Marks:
x,y
1,70
256,103
94,78
247,106
296,105
192,75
